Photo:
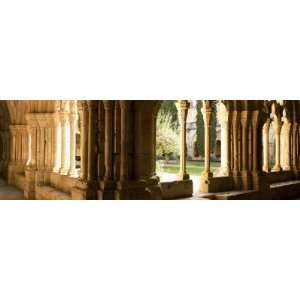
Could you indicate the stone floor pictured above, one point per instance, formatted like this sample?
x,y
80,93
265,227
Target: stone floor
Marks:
x,y
8,192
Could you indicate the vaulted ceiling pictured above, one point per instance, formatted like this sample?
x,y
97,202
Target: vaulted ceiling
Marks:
x,y
15,110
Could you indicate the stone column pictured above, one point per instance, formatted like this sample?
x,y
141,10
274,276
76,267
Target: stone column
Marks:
x,y
13,145
266,163
65,146
236,148
73,126
29,161
245,116
100,141
207,111
259,120
124,171
245,140
277,129
108,106
295,130
83,110
182,108
224,119
57,144
25,145
92,105
286,144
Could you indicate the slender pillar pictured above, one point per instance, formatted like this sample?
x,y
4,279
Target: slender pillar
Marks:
x,y
83,110
29,161
92,105
108,106
207,111
266,130
224,119
182,108
73,126
57,145
245,116
295,130
277,130
245,140
124,171
286,143
13,145
65,151
236,148
100,141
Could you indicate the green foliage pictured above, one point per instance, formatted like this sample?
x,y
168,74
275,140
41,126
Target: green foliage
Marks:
x,y
167,137
168,107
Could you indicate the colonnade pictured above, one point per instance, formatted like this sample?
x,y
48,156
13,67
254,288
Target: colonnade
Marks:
x,y
118,148
245,129
285,121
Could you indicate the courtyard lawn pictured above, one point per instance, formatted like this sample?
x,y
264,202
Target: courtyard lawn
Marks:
x,y
193,167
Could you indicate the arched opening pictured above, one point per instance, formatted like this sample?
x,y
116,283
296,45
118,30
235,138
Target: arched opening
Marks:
x,y
168,141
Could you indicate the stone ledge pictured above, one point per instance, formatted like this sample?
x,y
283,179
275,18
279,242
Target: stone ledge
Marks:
x,y
45,192
215,184
285,190
176,189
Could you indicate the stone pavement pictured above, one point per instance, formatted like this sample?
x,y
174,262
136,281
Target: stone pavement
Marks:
x,y
8,192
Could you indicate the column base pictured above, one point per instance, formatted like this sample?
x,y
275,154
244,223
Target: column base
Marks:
x,y
56,170
183,176
296,173
207,174
286,168
246,180
64,171
29,191
276,169
107,190
237,180
260,181
206,185
11,173
84,190
73,173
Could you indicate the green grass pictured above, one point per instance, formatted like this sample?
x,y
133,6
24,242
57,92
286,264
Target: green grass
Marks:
x,y
193,167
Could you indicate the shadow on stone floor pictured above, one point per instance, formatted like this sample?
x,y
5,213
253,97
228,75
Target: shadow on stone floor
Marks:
x,y
8,192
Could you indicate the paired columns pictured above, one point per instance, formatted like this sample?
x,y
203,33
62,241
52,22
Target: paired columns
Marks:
x,y
64,131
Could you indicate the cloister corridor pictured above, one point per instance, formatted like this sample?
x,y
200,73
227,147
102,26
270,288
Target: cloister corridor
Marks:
x,y
106,150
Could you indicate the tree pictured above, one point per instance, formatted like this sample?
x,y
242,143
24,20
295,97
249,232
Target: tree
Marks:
x,y
168,107
167,137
